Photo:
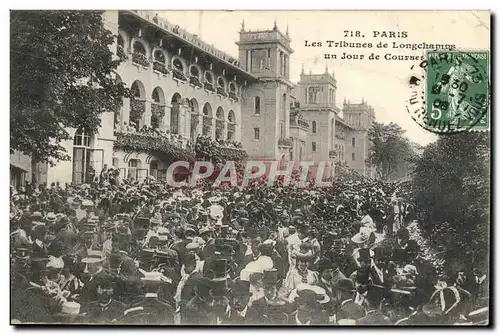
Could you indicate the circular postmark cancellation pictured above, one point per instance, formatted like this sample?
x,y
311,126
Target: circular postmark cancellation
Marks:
x,y
450,91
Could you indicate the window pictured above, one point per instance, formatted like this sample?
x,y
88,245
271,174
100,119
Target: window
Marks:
x,y
353,156
256,133
313,146
257,105
314,127
353,142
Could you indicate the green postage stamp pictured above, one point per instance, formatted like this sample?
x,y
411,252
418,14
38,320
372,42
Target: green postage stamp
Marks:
x,y
457,90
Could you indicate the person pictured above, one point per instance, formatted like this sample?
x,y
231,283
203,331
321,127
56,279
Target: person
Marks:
x,y
106,309
299,274
186,287
198,310
96,274
272,307
347,309
374,316
240,313
309,299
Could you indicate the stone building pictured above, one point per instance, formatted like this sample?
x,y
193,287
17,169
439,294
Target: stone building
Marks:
x,y
184,88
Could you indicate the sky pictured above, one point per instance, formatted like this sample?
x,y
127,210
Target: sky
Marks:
x,y
382,83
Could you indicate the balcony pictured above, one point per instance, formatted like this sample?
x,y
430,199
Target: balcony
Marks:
x,y
298,122
158,110
137,108
221,91
153,143
209,87
193,80
219,151
233,96
140,59
120,52
284,142
179,75
160,67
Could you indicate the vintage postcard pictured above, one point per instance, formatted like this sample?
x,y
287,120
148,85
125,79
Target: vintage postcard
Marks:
x,y
250,167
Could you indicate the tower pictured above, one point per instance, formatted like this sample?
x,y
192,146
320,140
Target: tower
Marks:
x,y
266,105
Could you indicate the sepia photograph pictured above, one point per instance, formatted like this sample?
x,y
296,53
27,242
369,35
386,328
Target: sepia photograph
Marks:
x,y
250,168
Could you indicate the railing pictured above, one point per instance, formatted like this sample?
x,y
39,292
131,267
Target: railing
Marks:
x,y
299,122
140,59
209,87
231,127
120,52
154,144
219,151
137,108
178,74
160,67
284,142
158,110
195,81
207,120
233,96
221,91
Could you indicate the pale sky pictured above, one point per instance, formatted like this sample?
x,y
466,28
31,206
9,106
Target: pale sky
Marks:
x,y
382,83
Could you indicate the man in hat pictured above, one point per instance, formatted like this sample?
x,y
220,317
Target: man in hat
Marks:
x,y
326,272
96,273
272,307
186,287
39,246
309,300
346,307
240,312
159,311
208,306
106,308
374,316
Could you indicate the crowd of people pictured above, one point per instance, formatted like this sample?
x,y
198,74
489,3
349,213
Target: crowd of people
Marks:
x,y
130,252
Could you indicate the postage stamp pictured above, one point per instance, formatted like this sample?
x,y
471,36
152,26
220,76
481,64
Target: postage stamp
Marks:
x,y
457,91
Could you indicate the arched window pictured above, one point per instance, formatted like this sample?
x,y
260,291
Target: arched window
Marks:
x,y
353,141
257,105
159,56
174,113
221,83
83,169
314,127
178,64
134,166
153,169
208,77
194,72
232,88
139,48
207,120
230,117
137,105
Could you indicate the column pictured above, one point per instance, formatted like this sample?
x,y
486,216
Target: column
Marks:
x,y
166,119
125,113
146,117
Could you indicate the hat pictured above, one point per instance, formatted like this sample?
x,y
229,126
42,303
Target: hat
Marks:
x,y
109,226
227,250
204,230
55,263
270,277
218,288
50,217
410,269
325,264
269,242
309,294
86,203
22,253
398,255
154,277
346,285
219,268
70,308
93,256
364,254
308,257
362,236
192,246
36,215
241,288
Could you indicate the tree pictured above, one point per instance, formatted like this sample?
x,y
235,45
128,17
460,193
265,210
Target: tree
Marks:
x,y
391,152
451,188
61,71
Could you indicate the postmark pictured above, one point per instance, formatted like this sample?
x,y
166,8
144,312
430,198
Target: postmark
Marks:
x,y
450,91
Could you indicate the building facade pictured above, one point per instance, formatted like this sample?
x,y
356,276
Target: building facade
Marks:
x,y
184,88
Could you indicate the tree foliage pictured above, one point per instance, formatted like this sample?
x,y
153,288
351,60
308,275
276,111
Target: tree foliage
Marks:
x,y
451,189
61,77
391,152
